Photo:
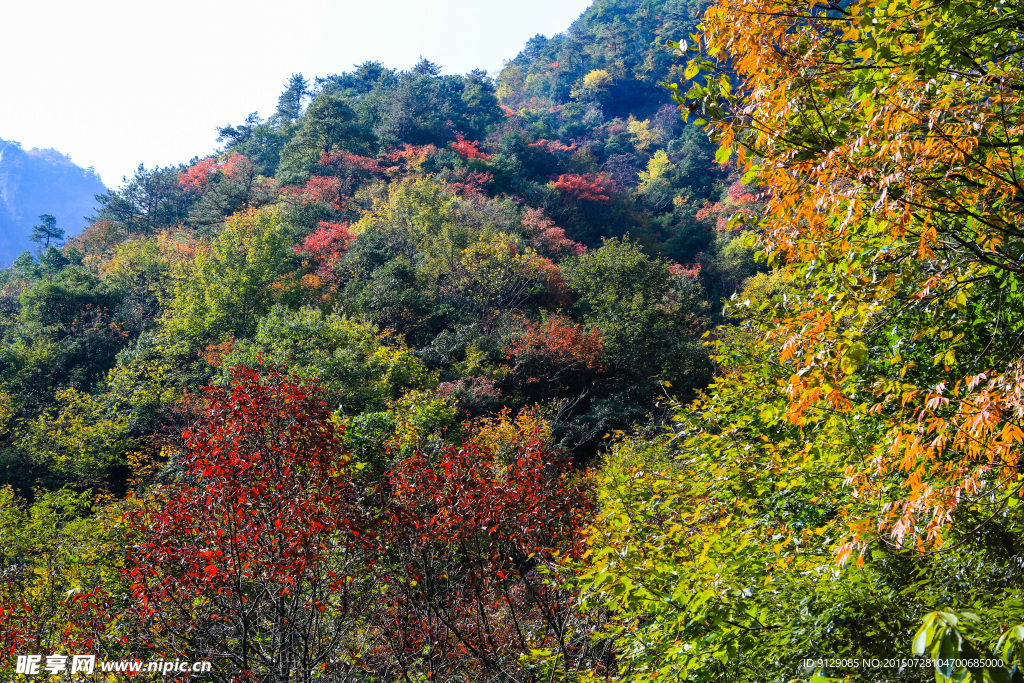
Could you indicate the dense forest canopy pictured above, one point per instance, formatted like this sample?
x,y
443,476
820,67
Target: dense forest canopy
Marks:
x,y
546,377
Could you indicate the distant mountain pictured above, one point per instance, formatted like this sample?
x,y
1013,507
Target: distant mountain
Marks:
x,y
38,181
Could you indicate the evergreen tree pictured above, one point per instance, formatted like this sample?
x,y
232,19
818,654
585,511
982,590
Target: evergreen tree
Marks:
x,y
46,232
289,104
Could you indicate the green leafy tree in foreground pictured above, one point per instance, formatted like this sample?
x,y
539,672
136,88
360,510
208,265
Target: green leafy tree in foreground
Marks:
x,y
855,467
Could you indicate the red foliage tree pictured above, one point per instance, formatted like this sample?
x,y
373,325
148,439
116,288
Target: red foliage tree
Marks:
x,y
254,559
553,146
411,155
60,619
345,163
689,271
16,620
554,351
470,535
589,187
324,247
472,183
739,199
196,177
469,149
548,238
335,180
327,190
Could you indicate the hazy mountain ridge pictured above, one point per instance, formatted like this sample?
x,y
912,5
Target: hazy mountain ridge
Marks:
x,y
38,181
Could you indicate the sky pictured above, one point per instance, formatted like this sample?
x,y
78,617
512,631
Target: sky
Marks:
x,y
116,83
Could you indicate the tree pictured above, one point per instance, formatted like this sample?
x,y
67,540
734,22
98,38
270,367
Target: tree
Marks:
x,y
905,177
81,441
474,540
223,187
258,559
233,279
480,102
151,200
329,125
868,405
60,588
586,187
46,232
492,279
69,331
556,354
354,365
325,247
423,107
289,104
258,140
595,84
646,315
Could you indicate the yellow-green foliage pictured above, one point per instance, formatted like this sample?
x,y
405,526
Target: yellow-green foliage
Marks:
x,y
6,411
80,438
705,549
422,421
140,263
358,366
495,276
55,550
763,286
644,137
714,546
421,218
658,166
597,80
151,376
510,81
478,364
233,278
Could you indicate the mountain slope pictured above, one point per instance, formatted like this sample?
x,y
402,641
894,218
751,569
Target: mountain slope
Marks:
x,y
35,182
612,57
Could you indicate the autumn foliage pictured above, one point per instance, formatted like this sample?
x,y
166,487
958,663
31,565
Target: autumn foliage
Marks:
x,y
197,176
469,149
473,540
588,187
546,237
329,404
555,350
264,537
926,206
324,247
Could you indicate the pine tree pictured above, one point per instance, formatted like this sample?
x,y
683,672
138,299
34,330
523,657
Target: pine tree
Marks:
x,y
289,104
46,232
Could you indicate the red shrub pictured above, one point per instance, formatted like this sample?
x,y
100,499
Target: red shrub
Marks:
x,y
469,149
589,187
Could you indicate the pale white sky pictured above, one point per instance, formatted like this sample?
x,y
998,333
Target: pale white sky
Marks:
x,y
116,83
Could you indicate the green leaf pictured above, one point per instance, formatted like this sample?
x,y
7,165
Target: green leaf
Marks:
x,y
921,639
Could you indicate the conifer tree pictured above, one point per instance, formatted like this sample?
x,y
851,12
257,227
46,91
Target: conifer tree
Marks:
x,y
289,104
46,232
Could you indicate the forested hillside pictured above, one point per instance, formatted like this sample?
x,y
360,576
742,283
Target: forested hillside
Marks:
x,y
41,182
561,375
